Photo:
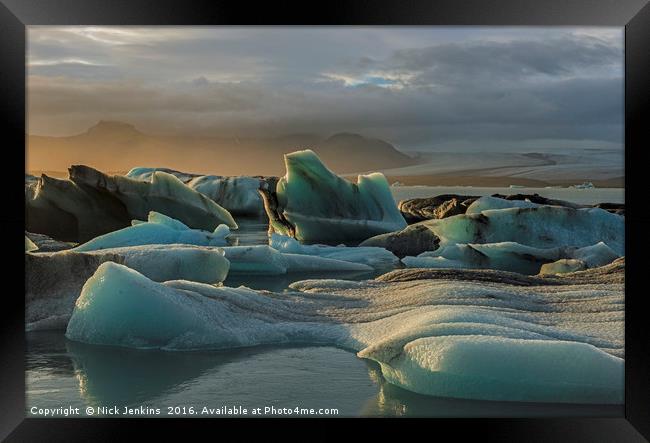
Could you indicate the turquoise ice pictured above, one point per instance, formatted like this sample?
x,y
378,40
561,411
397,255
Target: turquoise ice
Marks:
x,y
315,205
158,229
538,341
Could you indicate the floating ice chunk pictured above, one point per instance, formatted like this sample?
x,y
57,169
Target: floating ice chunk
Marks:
x,y
239,195
378,258
265,260
539,227
588,257
92,203
53,281
585,185
30,245
485,335
313,204
510,256
597,255
562,266
499,368
159,229
175,262
485,203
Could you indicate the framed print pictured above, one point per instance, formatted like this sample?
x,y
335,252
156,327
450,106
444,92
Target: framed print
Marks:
x,y
285,215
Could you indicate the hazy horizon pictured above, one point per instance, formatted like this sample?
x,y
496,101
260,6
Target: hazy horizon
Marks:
x,y
418,88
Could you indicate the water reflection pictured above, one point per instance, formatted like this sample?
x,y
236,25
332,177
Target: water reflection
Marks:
x,y
311,377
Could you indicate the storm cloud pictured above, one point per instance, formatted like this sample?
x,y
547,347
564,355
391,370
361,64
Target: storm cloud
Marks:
x,y
419,88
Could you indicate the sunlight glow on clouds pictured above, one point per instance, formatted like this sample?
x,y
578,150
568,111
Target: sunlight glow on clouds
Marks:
x,y
420,87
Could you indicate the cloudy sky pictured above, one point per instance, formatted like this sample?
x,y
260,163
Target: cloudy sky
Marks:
x,y
419,88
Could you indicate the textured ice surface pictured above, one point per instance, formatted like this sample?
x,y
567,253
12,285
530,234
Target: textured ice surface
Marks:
x,y
166,194
378,258
30,245
485,203
158,229
313,204
469,334
53,281
537,226
265,260
175,262
239,195
510,256
92,203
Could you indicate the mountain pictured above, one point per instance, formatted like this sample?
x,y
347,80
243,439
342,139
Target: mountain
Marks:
x,y
118,146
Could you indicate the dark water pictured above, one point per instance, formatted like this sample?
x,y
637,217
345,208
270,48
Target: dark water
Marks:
x,y
61,373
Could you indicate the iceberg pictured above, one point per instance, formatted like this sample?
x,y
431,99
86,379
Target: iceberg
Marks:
x,y
490,220
158,229
510,256
91,203
53,281
377,258
312,204
487,335
265,260
239,195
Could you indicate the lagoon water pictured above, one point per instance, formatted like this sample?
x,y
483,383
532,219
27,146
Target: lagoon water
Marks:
x,y
62,373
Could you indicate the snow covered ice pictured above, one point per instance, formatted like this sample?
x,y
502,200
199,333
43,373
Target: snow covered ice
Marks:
x,y
158,229
476,334
312,204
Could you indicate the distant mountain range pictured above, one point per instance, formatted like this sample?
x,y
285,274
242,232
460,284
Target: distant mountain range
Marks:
x,y
117,146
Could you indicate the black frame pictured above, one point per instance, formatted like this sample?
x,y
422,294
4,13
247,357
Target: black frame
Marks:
x,y
633,14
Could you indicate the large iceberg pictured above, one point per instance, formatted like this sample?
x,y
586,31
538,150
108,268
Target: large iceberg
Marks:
x,y
92,203
239,195
475,334
157,230
490,220
312,204
53,281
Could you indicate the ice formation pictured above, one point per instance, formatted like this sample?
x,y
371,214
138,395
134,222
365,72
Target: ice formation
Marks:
x,y
510,256
486,203
53,281
265,260
378,258
158,229
312,204
175,262
91,203
239,195
491,220
48,244
30,245
487,335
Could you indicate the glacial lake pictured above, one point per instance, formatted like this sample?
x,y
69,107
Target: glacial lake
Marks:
x,y
62,373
